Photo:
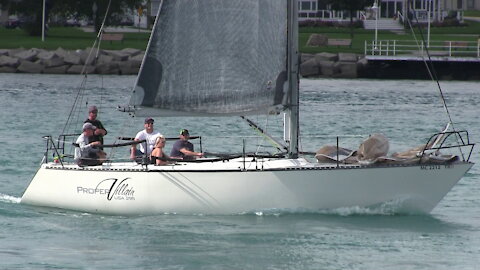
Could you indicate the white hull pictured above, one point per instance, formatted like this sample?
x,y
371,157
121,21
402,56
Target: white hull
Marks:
x,y
237,187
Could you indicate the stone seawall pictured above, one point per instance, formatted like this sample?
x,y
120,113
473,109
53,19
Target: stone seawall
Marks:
x,y
320,65
128,61
60,61
332,65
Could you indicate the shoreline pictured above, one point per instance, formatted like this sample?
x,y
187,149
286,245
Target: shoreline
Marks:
x,y
321,65
61,61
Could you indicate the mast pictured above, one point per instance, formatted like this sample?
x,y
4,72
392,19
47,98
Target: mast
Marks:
x,y
292,62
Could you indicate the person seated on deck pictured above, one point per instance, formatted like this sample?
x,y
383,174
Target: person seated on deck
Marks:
x,y
88,153
183,149
158,157
100,131
150,136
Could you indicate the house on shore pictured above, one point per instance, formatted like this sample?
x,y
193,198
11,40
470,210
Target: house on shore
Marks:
x,y
439,10
387,9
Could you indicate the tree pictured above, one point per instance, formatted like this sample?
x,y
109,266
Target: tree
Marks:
x,y
96,9
31,10
30,13
351,6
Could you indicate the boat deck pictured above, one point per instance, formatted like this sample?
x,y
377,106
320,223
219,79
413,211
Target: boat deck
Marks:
x,y
237,164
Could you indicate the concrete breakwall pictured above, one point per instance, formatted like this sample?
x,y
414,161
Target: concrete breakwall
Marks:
x,y
349,65
60,61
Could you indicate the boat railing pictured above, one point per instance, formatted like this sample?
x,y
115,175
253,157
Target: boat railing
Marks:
x,y
58,154
61,143
60,151
438,141
168,139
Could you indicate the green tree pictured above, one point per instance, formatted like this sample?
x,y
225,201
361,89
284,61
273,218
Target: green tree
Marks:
x,y
352,6
96,10
31,11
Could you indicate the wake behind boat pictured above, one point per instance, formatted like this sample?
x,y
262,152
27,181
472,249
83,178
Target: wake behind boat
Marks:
x,y
235,59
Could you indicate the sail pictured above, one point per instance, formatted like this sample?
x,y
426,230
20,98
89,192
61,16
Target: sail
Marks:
x,y
214,57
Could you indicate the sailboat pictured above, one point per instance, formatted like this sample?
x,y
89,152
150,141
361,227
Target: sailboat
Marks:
x,y
239,58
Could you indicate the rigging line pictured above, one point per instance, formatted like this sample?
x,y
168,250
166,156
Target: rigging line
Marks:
x,y
75,102
429,65
126,123
431,70
82,85
77,111
96,43
102,91
97,50
276,144
260,144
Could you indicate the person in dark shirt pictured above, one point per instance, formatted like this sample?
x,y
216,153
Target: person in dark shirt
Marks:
x,y
183,149
100,131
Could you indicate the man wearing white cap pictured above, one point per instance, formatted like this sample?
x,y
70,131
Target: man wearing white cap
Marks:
x,y
88,153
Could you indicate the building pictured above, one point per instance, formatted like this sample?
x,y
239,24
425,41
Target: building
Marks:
x,y
438,9
3,15
319,10
473,4
322,10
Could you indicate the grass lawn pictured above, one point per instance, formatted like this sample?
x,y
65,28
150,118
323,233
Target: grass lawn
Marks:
x,y
67,38
75,38
472,13
471,32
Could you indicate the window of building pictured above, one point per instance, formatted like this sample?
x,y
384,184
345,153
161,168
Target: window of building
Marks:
x,y
306,6
470,4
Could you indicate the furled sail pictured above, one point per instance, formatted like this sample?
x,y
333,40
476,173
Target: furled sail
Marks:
x,y
220,57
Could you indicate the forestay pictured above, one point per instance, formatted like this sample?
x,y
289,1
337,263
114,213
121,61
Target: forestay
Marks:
x,y
215,57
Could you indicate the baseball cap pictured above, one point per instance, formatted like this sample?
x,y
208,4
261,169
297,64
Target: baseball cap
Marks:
x,y
184,132
149,120
92,109
88,126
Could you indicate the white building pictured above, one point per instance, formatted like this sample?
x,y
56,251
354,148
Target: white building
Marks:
x,y
439,9
321,9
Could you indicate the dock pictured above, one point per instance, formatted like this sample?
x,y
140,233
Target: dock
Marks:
x,y
411,50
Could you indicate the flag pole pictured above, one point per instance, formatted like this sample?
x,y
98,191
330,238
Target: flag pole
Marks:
x,y
43,22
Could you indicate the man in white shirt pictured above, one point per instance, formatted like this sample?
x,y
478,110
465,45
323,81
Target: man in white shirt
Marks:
x,y
145,147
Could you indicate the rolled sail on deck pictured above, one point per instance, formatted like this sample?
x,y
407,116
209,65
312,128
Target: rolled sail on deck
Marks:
x,y
214,57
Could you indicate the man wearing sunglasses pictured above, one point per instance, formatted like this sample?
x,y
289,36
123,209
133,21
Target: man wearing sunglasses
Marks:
x,y
146,147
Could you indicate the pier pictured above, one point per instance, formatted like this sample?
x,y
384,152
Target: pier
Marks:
x,y
412,50
404,59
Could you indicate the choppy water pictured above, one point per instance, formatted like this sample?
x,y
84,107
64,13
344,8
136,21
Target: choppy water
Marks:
x,y
353,238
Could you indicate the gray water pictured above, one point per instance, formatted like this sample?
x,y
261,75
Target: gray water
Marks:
x,y
407,112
